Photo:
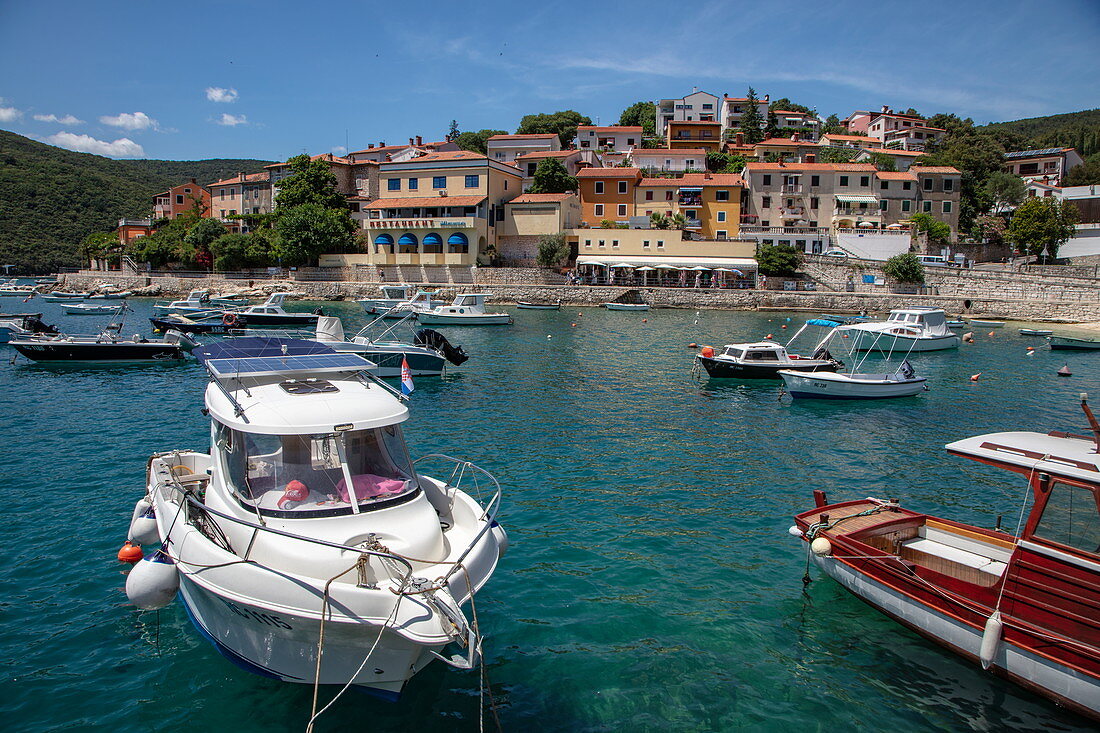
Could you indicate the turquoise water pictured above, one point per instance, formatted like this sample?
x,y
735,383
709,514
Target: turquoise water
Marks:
x,y
651,583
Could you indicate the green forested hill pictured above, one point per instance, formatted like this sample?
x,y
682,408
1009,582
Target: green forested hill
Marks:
x,y
1079,130
51,198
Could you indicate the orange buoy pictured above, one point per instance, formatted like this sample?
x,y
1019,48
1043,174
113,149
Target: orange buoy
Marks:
x,y
992,333
707,351
645,320
130,553
974,377
846,336
1031,348
574,325
784,325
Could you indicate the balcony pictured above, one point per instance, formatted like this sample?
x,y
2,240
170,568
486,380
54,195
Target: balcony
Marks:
x,y
803,231
792,188
867,214
693,224
794,212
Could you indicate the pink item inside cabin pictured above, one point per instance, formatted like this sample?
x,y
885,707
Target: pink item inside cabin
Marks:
x,y
368,485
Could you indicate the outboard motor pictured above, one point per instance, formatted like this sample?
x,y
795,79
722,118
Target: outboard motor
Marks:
x,y
436,340
35,324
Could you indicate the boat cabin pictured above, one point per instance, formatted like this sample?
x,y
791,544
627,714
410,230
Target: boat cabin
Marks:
x,y
929,320
762,351
396,292
326,444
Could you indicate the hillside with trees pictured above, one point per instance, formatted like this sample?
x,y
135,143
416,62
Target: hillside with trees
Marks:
x,y
1079,130
51,199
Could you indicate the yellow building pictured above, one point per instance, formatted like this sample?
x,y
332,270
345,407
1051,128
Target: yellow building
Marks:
x,y
710,202
437,209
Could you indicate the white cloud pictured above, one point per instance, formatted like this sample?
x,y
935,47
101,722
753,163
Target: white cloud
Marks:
x,y
63,120
218,94
231,120
8,114
130,121
124,147
339,150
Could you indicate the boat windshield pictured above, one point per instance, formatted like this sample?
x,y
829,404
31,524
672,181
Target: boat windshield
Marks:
x,y
1071,517
306,475
735,353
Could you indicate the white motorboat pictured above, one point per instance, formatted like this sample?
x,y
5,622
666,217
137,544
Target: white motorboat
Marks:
x,y
1035,332
306,545
397,296
268,313
422,301
906,330
765,359
626,306
197,301
88,309
982,323
862,386
111,295
13,288
107,347
22,325
525,305
468,309
58,296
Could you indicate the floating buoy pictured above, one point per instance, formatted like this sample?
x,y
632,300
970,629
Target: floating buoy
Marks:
x,y
846,336
549,336
707,351
693,346
974,377
153,582
992,333
784,325
821,546
1065,372
769,336
645,320
130,553
574,325
788,319
1031,348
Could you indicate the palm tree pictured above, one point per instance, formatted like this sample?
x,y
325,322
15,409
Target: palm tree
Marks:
x,y
679,221
658,220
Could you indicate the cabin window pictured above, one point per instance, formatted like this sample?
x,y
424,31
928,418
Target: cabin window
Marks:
x,y
1071,518
262,470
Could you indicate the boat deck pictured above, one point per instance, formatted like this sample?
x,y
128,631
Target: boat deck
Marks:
x,y
845,521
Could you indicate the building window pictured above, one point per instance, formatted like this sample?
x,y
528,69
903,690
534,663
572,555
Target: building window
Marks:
x,y
668,195
883,205
598,210
614,243
721,195
948,184
906,205
531,169
414,184
767,179
622,210
927,184
947,207
766,202
622,186
439,182
927,207
588,243
645,244
599,187
393,184
813,203
721,234
906,185
815,181
648,195
473,181
602,243
844,180
721,216
179,198
884,185
630,141
865,181
765,223
660,244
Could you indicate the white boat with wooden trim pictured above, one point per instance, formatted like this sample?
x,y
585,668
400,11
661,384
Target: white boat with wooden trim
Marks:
x,y
306,545
468,309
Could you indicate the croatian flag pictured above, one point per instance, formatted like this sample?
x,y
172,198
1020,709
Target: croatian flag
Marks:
x,y
406,378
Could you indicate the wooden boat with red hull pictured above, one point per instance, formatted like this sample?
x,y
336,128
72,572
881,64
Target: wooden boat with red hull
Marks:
x,y
1022,606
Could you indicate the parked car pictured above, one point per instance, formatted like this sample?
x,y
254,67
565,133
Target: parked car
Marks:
x,y
838,253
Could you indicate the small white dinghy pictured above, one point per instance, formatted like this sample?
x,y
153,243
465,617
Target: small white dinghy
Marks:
x,y
833,386
626,306
87,309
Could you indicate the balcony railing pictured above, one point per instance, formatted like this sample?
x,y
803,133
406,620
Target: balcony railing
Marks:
x,y
865,213
693,224
792,188
806,231
793,211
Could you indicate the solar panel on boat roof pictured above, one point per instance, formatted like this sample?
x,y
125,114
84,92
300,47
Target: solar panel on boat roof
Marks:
x,y
257,366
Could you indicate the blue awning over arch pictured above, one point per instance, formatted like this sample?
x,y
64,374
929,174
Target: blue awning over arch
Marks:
x,y
407,239
458,238
383,239
433,238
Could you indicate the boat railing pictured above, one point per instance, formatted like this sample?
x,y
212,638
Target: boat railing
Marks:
x,y
476,478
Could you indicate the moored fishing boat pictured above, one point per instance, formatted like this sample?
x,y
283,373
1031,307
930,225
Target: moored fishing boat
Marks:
x,y
1035,332
626,306
88,309
906,329
1022,604
859,386
306,544
765,359
526,305
108,347
468,309
1073,343
985,323
21,325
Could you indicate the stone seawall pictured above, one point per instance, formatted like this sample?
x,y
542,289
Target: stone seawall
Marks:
x,y
1052,310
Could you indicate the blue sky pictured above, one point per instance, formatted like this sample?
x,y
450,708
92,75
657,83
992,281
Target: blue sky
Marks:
x,y
271,79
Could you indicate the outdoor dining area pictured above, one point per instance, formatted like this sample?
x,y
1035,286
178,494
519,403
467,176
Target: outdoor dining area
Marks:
x,y
664,275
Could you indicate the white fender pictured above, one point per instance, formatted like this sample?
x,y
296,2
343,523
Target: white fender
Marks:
x,y
153,582
991,639
503,543
143,526
821,546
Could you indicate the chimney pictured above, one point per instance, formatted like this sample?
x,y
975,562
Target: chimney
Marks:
x,y
419,140
766,97
810,157
694,90
739,138
794,137
411,142
885,109
381,143
706,175
370,146
447,138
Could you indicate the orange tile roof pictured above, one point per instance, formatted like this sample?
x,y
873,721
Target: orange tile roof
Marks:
x,y
327,157
852,167
695,179
383,148
611,128
892,151
934,169
656,182
789,112
608,173
533,136
548,154
834,136
249,178
667,151
426,202
539,198
787,141
895,176
446,155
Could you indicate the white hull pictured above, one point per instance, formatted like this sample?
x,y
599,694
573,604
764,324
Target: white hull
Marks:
x,y
962,638
827,385
457,319
866,340
626,306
